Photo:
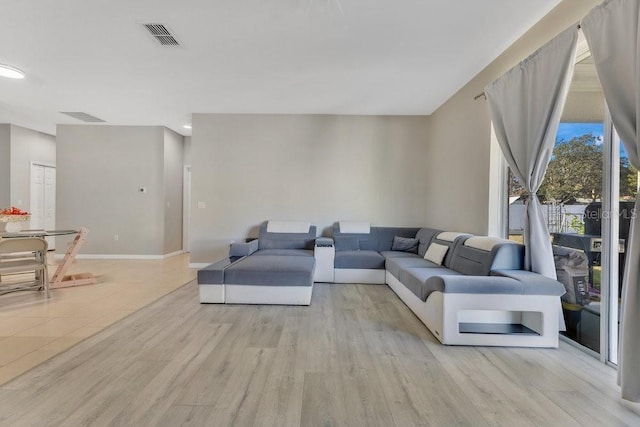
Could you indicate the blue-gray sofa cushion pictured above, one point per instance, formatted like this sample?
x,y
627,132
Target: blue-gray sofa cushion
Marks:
x,y
397,264
378,239
287,252
415,279
359,260
346,243
425,236
210,275
477,262
451,245
461,284
243,248
533,283
405,244
213,274
272,270
398,254
367,242
269,240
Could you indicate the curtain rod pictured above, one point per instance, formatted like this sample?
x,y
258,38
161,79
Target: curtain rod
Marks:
x,y
482,94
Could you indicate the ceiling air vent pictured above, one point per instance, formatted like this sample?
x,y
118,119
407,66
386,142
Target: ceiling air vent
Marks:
x,y
162,34
83,116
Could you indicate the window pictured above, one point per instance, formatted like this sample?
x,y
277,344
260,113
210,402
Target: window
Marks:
x,y
587,197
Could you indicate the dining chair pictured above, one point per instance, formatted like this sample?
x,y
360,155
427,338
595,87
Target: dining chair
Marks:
x,y
25,255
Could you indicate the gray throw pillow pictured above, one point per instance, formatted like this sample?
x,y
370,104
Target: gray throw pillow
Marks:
x,y
405,244
347,243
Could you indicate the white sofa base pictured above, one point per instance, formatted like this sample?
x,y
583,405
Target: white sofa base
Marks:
x,y
442,313
281,295
211,294
359,275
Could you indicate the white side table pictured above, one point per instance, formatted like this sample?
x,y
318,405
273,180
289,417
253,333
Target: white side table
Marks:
x,y
324,253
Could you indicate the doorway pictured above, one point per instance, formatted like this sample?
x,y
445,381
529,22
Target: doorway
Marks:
x,y
186,207
43,199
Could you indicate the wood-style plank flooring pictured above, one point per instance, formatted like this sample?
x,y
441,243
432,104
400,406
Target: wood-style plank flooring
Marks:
x,y
356,357
34,329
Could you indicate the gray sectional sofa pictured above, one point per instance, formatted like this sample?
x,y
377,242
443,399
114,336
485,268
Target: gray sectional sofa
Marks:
x,y
468,290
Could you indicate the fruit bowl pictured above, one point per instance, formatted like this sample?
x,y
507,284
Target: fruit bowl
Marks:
x,y
13,219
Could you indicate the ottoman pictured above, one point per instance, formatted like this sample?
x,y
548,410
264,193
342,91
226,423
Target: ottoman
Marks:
x,y
270,279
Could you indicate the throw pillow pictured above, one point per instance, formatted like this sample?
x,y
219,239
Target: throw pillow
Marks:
x,y
405,244
436,253
347,243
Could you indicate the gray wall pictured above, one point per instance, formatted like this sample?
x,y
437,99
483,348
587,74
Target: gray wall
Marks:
x,y
459,132
100,170
5,165
317,168
173,171
28,146
187,150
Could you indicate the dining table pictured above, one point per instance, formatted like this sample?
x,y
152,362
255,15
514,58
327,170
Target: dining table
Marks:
x,y
60,278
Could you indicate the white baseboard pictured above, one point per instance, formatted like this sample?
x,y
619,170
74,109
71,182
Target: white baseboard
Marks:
x,y
172,254
123,256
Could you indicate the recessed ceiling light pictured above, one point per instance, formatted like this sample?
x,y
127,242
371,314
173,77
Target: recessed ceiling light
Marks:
x,y
10,72
187,126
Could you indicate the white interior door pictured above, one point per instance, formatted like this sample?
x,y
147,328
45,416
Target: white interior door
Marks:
x,y
36,207
50,203
186,207
43,199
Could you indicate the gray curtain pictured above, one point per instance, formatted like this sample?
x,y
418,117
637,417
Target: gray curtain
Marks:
x,y
612,32
526,104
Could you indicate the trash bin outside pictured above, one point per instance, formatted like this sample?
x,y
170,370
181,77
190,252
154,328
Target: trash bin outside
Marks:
x,y
572,269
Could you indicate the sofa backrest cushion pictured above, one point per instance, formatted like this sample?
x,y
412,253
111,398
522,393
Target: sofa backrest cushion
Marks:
x,y
425,236
377,239
287,226
385,236
354,227
405,244
479,255
286,240
347,241
450,239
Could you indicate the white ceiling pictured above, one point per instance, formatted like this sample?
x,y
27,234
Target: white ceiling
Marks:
x,y
395,57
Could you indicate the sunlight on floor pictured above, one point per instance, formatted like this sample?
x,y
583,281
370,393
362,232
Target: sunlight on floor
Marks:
x,y
34,329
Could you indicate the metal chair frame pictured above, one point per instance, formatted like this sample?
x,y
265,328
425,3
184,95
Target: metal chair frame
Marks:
x,y
25,255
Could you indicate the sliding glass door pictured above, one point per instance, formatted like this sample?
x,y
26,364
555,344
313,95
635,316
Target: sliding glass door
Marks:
x,y
623,192
588,196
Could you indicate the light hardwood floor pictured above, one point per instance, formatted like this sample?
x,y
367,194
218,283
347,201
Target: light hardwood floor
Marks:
x,y
356,356
34,329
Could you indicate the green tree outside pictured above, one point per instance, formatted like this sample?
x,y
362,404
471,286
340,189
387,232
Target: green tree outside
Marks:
x,y
575,173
